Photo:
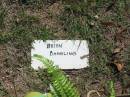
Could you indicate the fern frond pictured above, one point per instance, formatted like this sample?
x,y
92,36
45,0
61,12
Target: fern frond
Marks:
x,y
59,81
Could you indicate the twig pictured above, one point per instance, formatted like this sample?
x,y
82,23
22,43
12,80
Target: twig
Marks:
x,y
93,91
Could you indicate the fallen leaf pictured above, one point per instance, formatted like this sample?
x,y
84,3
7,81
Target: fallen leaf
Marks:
x,y
117,50
119,66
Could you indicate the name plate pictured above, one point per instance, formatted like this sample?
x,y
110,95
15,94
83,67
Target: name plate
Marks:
x,y
66,54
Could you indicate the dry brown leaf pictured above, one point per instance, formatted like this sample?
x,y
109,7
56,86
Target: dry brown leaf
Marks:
x,y
117,50
119,66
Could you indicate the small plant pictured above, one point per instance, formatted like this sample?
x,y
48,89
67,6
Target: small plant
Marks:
x,y
61,86
112,91
2,17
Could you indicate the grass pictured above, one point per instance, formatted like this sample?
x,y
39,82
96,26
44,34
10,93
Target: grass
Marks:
x,y
100,48
80,23
3,13
26,28
3,91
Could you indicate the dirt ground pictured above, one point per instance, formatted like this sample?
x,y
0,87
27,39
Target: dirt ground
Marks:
x,y
16,75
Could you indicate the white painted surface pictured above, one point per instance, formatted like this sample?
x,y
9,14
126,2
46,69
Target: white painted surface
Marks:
x,y
77,48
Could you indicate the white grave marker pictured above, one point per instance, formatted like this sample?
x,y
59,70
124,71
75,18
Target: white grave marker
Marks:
x,y
67,54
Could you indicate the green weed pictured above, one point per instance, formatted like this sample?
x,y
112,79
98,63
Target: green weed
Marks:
x,y
3,13
112,90
3,91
